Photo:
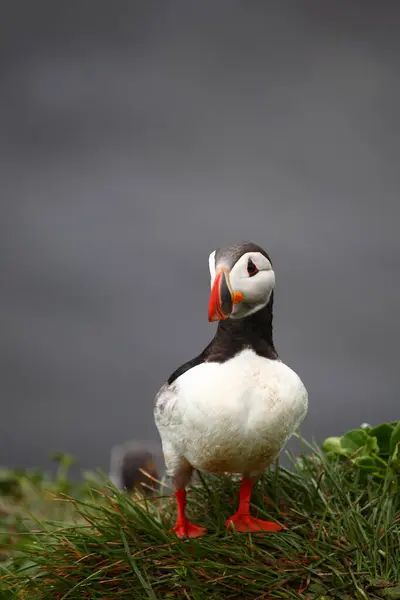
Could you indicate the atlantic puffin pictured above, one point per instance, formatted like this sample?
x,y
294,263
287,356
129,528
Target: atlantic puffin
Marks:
x,y
129,463
233,408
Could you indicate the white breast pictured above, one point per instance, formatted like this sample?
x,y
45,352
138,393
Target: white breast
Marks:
x,y
232,417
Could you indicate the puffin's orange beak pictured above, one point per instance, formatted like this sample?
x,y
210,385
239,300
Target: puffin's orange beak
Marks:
x,y
222,297
221,304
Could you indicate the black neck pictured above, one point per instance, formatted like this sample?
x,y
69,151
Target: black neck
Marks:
x,y
254,331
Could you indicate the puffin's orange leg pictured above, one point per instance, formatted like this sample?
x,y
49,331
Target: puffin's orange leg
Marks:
x,y
183,527
242,520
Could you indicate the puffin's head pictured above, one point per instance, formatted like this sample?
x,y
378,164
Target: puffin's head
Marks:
x,y
242,280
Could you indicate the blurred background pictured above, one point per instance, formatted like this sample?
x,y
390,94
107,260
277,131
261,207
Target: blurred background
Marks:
x,y
137,137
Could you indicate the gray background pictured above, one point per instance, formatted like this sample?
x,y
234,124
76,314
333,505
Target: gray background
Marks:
x,y
136,137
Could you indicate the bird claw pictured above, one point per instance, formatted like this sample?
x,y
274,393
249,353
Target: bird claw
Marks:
x,y
245,523
188,529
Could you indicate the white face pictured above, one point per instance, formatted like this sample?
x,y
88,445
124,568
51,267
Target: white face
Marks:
x,y
252,275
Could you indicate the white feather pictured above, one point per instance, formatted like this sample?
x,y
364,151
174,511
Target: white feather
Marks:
x,y
231,417
211,266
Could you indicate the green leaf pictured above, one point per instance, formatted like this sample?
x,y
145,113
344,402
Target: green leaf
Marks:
x,y
365,462
332,444
382,433
353,440
395,458
396,452
394,438
372,445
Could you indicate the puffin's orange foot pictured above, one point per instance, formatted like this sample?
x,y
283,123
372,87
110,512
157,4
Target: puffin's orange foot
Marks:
x,y
245,523
188,529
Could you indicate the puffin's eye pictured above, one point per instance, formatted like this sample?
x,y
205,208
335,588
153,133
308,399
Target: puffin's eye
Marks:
x,y
251,268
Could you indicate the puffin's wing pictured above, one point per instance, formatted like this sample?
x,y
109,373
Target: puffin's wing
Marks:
x,y
165,401
168,419
168,415
165,410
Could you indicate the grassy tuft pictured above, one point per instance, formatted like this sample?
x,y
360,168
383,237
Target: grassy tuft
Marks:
x,y
342,541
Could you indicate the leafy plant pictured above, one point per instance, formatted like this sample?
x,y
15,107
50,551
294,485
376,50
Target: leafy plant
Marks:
x,y
76,540
341,541
374,450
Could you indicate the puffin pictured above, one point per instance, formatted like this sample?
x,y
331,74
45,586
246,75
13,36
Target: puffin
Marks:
x,y
232,408
128,461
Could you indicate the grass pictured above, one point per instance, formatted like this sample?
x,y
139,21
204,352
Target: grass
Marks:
x,y
342,541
